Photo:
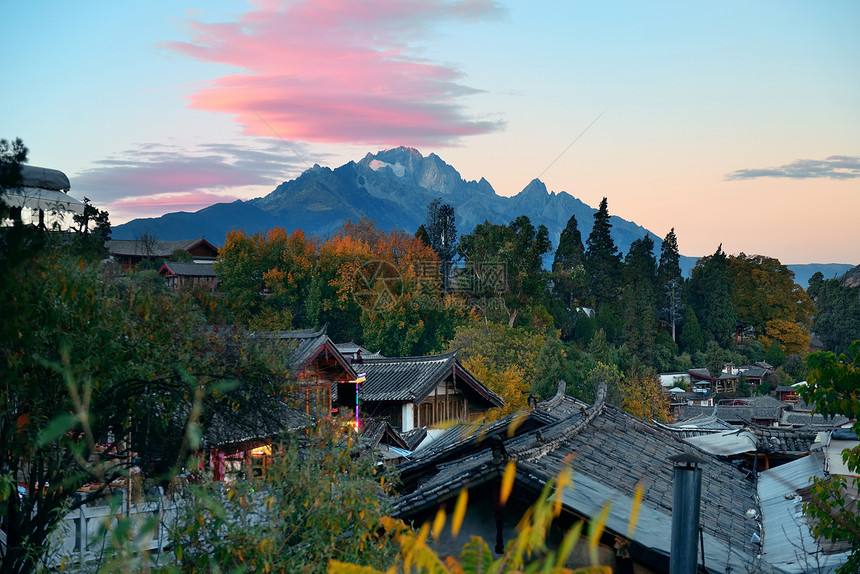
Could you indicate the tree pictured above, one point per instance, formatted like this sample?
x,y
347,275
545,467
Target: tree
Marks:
x,y
554,363
499,344
441,229
570,252
12,155
711,297
505,380
837,320
638,301
775,353
86,359
834,388
670,281
322,497
567,266
715,359
765,297
504,266
602,259
642,395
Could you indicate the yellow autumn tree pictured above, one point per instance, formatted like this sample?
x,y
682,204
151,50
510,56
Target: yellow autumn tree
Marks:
x,y
508,381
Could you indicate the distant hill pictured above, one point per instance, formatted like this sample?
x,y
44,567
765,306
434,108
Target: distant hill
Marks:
x,y
393,188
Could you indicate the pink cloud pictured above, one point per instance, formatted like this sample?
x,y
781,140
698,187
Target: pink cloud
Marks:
x,y
150,172
127,208
338,71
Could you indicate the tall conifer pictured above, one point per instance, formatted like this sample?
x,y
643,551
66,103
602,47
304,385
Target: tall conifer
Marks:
x,y
602,259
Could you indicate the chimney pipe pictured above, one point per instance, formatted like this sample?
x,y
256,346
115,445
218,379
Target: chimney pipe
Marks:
x,y
686,502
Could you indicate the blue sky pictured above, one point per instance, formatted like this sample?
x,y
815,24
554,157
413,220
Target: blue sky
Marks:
x,y
733,122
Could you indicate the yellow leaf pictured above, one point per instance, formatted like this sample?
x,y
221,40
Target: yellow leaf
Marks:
x,y
634,512
508,481
438,523
515,423
459,512
595,531
568,544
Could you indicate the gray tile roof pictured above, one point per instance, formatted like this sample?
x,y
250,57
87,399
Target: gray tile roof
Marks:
x,y
372,431
809,419
261,419
411,379
414,437
746,410
188,269
464,438
138,248
698,425
754,371
784,440
305,344
610,452
706,375
349,350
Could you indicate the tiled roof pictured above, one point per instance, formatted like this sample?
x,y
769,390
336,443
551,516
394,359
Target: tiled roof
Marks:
x,y
754,371
138,248
610,452
411,379
303,345
373,430
414,437
349,350
784,440
265,419
756,408
467,437
817,420
187,269
706,374
698,425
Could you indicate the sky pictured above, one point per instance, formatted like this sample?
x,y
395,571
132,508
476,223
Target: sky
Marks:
x,y
736,123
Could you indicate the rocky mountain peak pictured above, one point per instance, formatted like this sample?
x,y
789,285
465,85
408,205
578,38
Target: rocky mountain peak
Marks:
x,y
536,188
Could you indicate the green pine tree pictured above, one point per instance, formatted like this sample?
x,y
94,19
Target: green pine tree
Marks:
x,y
602,259
711,297
691,337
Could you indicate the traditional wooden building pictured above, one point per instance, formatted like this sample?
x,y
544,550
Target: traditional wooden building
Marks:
x,y
413,392
130,252
723,383
183,275
322,378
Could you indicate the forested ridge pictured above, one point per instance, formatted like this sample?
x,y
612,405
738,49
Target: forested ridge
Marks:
x,y
594,314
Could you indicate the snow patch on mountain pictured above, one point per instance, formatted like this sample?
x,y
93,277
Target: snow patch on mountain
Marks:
x,y
398,169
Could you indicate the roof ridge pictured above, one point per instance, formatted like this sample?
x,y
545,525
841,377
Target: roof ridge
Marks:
x,y
590,414
557,398
412,359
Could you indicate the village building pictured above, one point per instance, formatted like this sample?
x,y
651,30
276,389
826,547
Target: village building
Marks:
x,y
130,252
184,275
323,379
424,391
703,381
